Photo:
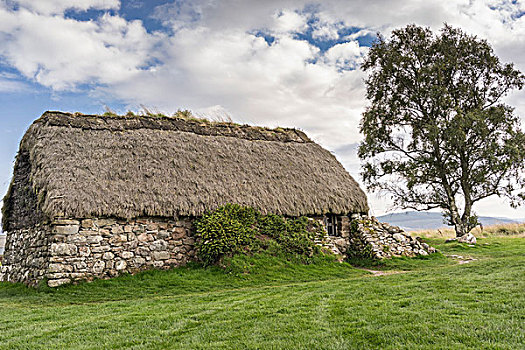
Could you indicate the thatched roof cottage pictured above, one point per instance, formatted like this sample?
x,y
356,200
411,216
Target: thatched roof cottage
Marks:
x,y
94,196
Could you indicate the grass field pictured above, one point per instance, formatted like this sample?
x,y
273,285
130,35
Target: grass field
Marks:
x,y
489,231
265,302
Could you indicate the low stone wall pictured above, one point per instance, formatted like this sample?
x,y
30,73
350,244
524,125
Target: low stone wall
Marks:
x,y
365,237
97,248
370,238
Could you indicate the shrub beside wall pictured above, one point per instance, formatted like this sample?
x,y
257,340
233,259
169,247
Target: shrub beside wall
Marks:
x,y
233,228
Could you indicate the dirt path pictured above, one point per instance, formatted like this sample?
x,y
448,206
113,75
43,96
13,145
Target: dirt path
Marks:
x,y
380,273
460,259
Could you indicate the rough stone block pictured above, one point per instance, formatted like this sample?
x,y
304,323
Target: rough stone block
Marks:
x,y
144,251
126,255
63,249
139,261
159,244
100,249
94,239
66,229
143,237
163,234
58,282
106,222
87,223
118,239
98,267
152,226
120,265
161,255
158,264
399,237
188,241
59,268
80,266
65,222
117,229
77,238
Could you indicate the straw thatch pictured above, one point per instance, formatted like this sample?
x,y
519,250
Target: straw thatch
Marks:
x,y
92,166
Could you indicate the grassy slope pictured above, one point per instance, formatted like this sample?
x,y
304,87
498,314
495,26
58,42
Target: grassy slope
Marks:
x,y
436,304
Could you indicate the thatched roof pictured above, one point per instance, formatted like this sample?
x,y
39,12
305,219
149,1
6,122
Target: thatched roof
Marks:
x,y
90,166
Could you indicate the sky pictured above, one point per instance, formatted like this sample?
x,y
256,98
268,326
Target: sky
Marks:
x,y
283,63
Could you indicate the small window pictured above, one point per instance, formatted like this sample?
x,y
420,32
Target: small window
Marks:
x,y
331,225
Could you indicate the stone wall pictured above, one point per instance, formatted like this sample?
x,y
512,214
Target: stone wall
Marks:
x,y
26,255
369,238
70,250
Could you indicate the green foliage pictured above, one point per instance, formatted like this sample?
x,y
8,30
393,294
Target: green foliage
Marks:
x,y
294,235
185,114
233,228
110,114
436,133
272,226
225,230
365,252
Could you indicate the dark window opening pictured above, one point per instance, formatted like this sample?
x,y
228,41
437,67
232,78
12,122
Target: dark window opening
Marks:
x,y
331,225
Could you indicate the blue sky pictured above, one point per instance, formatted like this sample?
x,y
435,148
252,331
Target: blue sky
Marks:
x,y
288,63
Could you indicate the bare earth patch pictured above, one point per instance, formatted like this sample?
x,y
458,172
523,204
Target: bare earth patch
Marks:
x,y
380,273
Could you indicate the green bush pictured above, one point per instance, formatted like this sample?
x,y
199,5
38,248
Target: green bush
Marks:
x,y
233,228
271,225
225,230
294,235
296,239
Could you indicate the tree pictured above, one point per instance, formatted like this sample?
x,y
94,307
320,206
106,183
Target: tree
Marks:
x,y
436,132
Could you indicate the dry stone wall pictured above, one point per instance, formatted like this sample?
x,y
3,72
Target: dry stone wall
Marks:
x,y
370,238
73,250
365,237
69,250
26,255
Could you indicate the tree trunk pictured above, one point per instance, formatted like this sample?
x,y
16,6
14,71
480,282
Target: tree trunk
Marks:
x,y
459,225
461,230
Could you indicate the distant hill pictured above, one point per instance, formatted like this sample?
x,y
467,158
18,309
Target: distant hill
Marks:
x,y
414,221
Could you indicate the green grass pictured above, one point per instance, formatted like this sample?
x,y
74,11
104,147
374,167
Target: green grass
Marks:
x,y
265,302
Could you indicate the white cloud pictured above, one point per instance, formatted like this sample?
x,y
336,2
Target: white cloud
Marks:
x,y
62,53
289,21
326,28
52,7
348,54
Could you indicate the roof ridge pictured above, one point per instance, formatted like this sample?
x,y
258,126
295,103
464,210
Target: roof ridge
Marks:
x,y
161,122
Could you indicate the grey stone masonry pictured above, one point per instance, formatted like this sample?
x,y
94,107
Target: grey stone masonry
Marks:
x,y
372,239
26,255
366,237
70,250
